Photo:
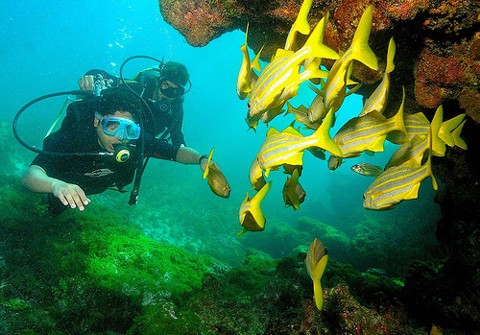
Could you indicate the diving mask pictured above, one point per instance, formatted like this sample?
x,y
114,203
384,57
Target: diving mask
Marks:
x,y
121,128
171,91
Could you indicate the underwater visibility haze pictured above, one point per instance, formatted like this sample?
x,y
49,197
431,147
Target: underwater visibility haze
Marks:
x,y
173,263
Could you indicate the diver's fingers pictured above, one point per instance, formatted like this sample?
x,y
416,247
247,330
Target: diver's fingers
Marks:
x,y
71,194
76,197
86,83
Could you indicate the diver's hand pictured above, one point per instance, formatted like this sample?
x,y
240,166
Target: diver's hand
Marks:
x,y
86,83
70,194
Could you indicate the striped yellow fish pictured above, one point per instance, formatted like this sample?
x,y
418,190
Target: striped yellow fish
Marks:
x,y
300,26
250,214
368,132
359,50
216,179
280,79
316,262
257,180
317,109
246,76
378,99
302,116
415,124
414,149
293,192
396,184
287,147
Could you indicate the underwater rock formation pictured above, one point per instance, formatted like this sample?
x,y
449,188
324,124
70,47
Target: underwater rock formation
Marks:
x,y
438,62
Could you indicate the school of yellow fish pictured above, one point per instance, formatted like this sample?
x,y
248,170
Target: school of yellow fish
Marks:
x,y
269,90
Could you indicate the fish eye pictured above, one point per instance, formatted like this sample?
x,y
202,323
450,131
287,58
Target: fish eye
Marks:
x,y
249,105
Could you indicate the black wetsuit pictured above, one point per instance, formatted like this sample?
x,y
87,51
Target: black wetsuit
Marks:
x,y
93,173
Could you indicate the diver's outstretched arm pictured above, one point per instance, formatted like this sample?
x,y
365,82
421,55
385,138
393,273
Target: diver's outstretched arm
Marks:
x,y
37,180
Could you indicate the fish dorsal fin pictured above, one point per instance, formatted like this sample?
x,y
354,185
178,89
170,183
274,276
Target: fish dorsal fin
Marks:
x,y
272,131
292,131
377,116
282,53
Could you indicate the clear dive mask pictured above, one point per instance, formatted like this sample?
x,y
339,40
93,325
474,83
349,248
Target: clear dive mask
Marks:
x,y
121,128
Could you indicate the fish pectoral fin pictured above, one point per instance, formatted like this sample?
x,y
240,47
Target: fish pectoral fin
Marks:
x,y
413,193
377,146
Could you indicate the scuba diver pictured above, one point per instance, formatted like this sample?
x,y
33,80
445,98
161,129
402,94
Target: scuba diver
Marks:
x,y
163,89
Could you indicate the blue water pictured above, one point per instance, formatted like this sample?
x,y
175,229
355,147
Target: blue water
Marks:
x,y
47,45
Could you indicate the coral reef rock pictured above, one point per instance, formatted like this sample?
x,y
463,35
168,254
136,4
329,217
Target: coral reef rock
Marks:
x,y
438,42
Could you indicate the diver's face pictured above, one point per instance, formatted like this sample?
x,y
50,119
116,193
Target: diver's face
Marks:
x,y
168,89
108,141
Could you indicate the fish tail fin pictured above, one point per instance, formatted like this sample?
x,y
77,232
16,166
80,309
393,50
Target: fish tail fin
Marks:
x,y
457,140
317,281
399,122
207,168
241,232
438,145
447,127
318,294
431,140
257,198
361,50
300,25
390,56
322,134
315,41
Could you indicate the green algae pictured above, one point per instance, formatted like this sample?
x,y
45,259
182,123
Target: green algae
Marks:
x,y
93,270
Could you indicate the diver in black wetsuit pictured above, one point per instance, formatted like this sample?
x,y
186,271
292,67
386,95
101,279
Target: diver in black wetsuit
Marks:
x,y
97,125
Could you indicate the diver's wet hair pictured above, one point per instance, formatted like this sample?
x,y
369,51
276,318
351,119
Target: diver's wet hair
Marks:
x,y
120,99
175,72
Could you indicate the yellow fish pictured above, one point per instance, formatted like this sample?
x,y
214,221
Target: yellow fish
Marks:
x,y
302,116
246,76
378,99
398,183
293,192
287,147
413,149
250,215
359,50
280,79
368,132
316,262
216,179
415,125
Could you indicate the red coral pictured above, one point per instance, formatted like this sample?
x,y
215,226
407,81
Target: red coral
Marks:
x,y
437,78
